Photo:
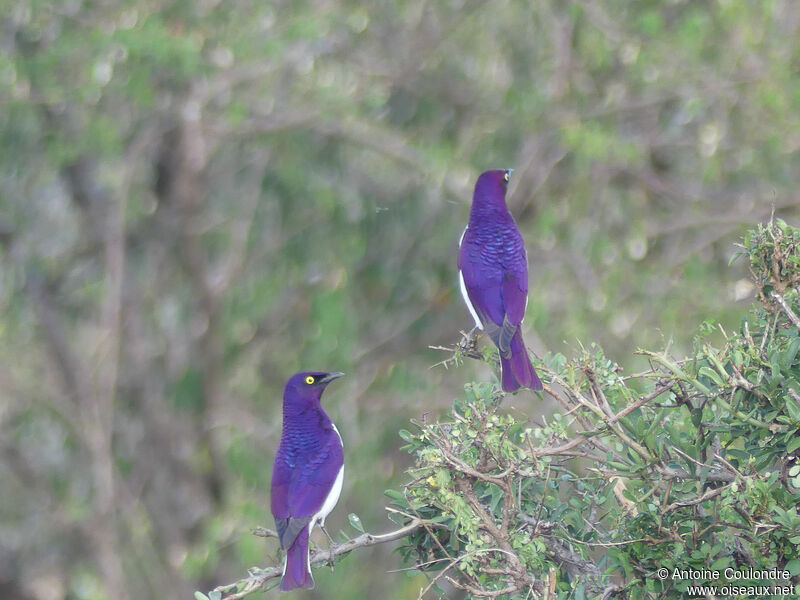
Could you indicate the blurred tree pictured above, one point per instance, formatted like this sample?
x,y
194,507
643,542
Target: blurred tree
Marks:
x,y
199,198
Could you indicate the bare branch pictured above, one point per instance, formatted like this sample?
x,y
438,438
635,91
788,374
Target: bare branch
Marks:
x,y
258,578
699,500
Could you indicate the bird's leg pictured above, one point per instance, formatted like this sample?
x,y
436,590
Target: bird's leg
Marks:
x,y
331,546
330,539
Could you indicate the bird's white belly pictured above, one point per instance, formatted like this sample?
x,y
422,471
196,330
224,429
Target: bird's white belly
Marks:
x,y
330,501
333,495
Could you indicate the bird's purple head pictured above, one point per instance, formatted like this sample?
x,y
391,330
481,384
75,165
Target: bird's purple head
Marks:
x,y
306,387
490,189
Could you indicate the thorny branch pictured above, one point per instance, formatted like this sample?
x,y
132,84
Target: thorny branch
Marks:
x,y
786,309
596,420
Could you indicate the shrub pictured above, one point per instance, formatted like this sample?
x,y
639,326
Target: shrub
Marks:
x,y
690,466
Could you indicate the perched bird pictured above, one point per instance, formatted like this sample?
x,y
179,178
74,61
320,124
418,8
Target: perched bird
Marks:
x,y
493,276
307,474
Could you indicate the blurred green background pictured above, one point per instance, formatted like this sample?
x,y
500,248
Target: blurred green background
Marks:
x,y
198,199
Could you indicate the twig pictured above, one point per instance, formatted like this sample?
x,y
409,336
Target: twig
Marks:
x,y
699,500
453,562
786,308
259,577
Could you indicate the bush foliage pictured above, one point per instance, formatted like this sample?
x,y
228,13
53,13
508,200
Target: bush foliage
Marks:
x,y
690,465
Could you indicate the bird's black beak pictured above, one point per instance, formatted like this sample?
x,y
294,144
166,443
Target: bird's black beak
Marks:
x,y
331,376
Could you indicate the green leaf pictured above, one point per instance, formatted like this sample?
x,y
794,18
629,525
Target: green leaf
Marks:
x,y
355,521
215,595
791,352
793,409
736,255
200,596
720,563
394,494
580,592
793,566
794,444
711,374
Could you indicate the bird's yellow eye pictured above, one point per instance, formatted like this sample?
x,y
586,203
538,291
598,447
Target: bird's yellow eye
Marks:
x,y
505,176
309,380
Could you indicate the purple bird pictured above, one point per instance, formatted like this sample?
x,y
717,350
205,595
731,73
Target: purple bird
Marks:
x,y
307,474
493,275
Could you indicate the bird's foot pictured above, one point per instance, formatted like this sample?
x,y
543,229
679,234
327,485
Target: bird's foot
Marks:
x,y
468,346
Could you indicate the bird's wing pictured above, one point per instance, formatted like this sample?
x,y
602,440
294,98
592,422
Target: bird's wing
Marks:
x,y
514,287
289,529
313,480
504,335
482,280
299,491
287,526
498,290
514,294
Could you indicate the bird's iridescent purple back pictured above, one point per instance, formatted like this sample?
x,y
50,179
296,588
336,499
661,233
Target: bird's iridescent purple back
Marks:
x,y
494,276
492,255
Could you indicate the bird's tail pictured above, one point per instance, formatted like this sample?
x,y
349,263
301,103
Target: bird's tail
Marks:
x,y
517,370
296,570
